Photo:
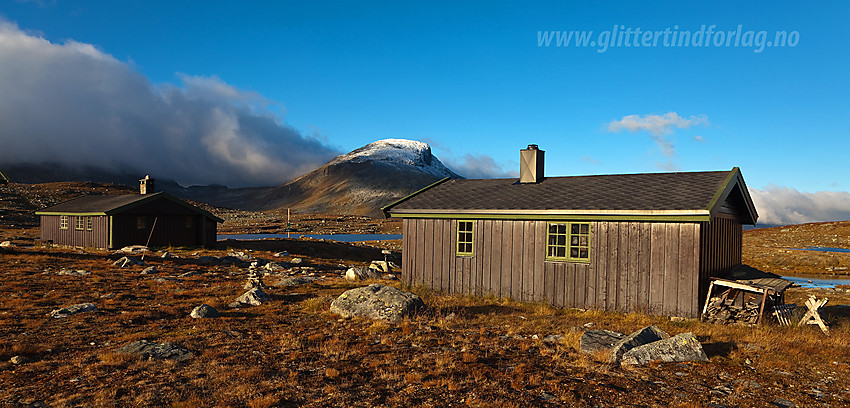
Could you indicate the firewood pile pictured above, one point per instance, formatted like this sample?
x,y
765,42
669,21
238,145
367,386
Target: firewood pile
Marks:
x,y
723,310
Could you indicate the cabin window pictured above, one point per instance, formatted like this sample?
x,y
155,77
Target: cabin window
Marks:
x,y
79,223
464,238
568,241
188,221
63,222
88,223
141,223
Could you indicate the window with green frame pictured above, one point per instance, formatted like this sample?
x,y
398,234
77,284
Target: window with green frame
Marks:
x,y
63,222
80,223
568,241
464,238
88,223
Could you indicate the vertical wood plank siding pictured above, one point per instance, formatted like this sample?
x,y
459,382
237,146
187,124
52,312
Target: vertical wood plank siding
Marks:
x,y
660,268
98,237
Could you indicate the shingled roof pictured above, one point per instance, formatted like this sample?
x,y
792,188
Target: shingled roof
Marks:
x,y
683,196
110,205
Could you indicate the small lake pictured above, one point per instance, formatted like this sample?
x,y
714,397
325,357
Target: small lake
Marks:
x,y
813,282
329,237
822,249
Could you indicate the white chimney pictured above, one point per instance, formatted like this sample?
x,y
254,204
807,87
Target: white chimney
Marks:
x,y
146,185
531,164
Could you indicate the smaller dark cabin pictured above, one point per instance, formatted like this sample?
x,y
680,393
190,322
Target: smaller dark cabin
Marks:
x,y
155,219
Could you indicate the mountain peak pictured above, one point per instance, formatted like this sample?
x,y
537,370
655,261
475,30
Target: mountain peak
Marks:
x,y
398,152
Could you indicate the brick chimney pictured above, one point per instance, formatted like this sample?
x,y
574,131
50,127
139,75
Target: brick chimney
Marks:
x,y
147,186
531,164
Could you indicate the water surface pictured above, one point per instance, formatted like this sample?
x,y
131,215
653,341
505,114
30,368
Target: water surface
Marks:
x,y
330,237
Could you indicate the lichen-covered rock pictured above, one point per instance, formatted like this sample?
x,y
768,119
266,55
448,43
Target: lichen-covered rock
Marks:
x,y
160,351
377,302
73,272
596,340
253,297
204,311
294,281
679,348
72,310
640,337
359,273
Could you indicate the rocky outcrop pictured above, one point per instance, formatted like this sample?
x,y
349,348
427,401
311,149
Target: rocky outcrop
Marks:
x,y
159,351
377,302
679,348
72,310
358,273
639,338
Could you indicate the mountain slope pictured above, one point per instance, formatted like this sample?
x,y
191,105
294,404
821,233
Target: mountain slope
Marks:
x,y
362,181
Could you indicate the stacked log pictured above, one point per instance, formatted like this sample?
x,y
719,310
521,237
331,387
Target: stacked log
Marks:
x,y
724,311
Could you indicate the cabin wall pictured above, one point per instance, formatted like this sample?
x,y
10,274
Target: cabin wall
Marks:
x,y
634,266
721,240
168,230
98,237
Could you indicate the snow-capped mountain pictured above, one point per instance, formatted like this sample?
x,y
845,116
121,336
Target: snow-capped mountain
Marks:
x,y
401,152
362,181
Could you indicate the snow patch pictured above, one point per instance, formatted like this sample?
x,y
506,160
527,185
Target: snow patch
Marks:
x,y
399,152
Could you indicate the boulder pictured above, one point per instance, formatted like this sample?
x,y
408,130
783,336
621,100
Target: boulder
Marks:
x,y
643,336
208,260
359,273
253,297
72,310
150,270
679,348
595,340
381,266
296,261
127,261
204,311
6,244
273,267
378,302
240,256
294,281
160,351
133,249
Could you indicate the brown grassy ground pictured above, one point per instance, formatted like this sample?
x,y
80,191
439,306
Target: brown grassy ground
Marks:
x,y
769,249
293,352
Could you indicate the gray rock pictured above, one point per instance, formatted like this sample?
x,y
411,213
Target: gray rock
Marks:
x,y
150,270
784,403
6,244
188,274
595,340
133,249
209,260
19,360
240,256
294,281
679,348
378,302
553,338
204,311
643,336
389,276
160,351
127,261
273,267
296,261
381,266
253,297
72,310
73,272
359,273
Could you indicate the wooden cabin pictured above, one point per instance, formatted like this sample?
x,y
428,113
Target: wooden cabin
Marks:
x,y
629,242
149,218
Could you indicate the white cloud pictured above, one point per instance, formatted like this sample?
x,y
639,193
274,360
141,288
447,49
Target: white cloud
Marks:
x,y
699,139
783,205
477,167
74,104
658,126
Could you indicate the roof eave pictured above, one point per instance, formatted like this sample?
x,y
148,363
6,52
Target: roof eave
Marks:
x,y
386,209
734,178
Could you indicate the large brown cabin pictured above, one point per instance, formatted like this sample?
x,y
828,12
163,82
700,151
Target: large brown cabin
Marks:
x,y
155,219
631,242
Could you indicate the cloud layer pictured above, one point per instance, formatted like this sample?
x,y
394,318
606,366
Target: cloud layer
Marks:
x,y
782,205
75,104
478,167
658,126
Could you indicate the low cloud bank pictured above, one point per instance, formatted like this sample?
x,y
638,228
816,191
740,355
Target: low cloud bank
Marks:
x,y
72,103
783,205
478,167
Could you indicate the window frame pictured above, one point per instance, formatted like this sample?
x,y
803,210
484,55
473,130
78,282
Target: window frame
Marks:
x,y
79,223
63,222
88,224
141,222
470,242
568,246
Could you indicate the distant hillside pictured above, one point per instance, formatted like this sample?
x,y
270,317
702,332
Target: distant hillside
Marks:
x,y
362,181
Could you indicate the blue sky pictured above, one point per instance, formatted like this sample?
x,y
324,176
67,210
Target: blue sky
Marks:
x,y
472,80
